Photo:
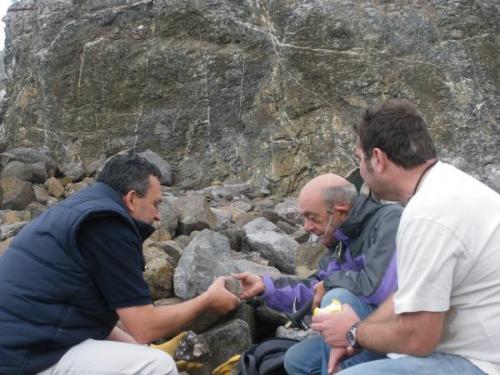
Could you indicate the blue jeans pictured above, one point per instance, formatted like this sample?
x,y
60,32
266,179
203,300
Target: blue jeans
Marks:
x,y
434,364
311,355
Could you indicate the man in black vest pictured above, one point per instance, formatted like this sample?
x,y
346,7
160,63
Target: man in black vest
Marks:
x,y
71,273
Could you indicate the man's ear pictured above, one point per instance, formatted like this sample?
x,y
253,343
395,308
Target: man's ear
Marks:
x,y
130,200
342,209
379,159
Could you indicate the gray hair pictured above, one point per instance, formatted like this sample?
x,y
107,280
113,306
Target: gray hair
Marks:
x,y
339,194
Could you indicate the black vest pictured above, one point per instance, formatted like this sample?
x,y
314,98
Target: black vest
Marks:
x,y
48,302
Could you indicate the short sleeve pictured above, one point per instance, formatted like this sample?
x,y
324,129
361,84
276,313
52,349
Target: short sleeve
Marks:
x,y
114,261
427,254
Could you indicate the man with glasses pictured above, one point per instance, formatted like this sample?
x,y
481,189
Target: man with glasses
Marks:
x,y
71,273
358,269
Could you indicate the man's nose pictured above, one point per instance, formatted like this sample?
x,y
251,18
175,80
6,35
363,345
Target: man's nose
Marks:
x,y
308,226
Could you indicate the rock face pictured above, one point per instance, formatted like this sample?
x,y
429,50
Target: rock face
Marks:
x,y
256,90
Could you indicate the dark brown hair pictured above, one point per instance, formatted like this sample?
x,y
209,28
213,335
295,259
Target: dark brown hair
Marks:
x,y
400,131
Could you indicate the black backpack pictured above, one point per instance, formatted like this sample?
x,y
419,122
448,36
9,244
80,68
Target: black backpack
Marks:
x,y
265,358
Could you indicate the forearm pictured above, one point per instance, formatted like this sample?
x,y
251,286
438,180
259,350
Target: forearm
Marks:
x,y
149,323
386,332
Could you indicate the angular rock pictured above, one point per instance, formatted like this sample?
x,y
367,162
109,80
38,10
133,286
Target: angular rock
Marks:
x,y
159,272
16,194
54,187
73,188
182,240
35,209
289,210
285,227
192,348
4,142
260,224
31,155
240,189
255,268
73,171
242,205
234,233
206,257
279,248
307,258
32,172
41,194
226,340
10,230
219,193
10,216
172,249
169,216
242,218
195,214
223,216
301,236
92,165
161,164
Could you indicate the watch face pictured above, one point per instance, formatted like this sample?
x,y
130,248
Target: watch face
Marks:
x,y
351,340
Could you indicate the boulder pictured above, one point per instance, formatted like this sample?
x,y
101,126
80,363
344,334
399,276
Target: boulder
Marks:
x,y
32,172
161,164
279,248
55,187
259,225
17,194
267,239
31,155
159,272
288,209
10,230
11,216
206,257
194,214
73,171
225,340
307,258
172,249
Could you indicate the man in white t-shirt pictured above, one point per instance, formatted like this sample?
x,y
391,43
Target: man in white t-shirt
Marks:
x,y
445,315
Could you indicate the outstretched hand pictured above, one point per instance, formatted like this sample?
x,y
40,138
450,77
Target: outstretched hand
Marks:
x,y
220,299
251,284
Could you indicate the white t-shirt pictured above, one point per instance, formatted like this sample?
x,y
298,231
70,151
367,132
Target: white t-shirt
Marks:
x,y
449,260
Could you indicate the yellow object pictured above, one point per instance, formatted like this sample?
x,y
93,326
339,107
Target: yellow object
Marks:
x,y
226,367
187,366
334,306
170,346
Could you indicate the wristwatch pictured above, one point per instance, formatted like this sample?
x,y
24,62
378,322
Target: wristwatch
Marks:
x,y
350,336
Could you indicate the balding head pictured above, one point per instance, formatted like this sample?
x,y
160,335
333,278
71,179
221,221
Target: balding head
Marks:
x,y
325,202
331,188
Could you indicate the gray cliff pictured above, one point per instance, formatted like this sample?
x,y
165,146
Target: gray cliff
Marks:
x,y
259,90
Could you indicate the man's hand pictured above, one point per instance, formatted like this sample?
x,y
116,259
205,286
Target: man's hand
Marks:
x,y
220,300
252,285
319,292
334,326
336,354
